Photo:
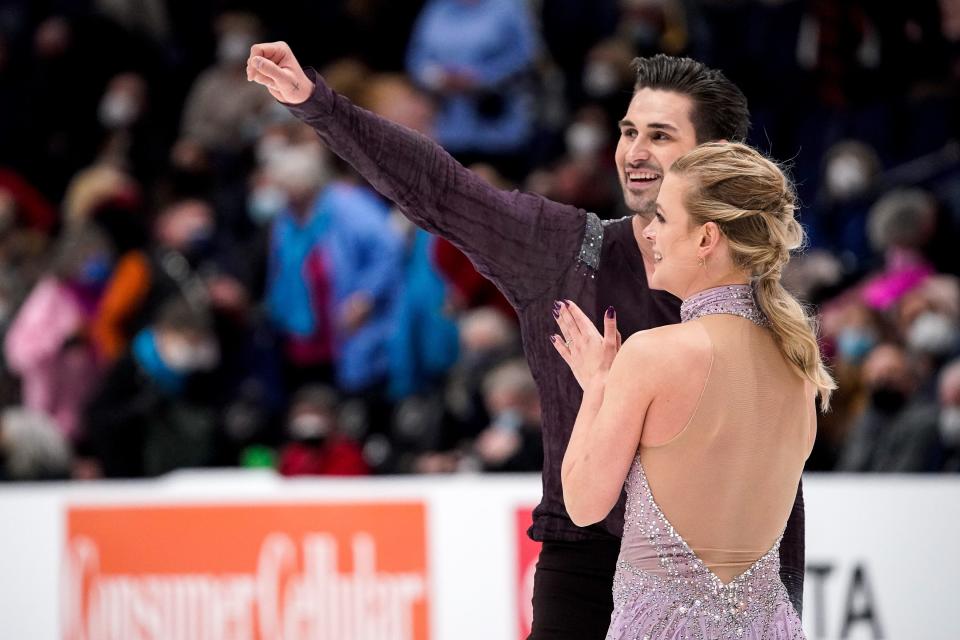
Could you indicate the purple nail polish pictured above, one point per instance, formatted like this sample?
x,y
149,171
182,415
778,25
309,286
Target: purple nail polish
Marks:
x,y
556,313
610,312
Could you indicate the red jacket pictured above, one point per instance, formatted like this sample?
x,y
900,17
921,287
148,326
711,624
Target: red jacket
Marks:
x,y
338,456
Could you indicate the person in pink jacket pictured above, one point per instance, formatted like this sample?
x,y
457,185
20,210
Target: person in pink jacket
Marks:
x,y
46,343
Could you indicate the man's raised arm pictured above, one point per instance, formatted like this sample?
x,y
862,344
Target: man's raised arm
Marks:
x,y
522,242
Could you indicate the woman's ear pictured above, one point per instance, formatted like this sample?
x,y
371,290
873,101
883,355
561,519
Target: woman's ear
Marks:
x,y
710,237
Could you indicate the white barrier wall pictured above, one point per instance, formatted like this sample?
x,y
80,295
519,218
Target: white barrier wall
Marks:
x,y
249,555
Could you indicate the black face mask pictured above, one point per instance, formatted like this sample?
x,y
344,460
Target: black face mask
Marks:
x,y
199,248
887,399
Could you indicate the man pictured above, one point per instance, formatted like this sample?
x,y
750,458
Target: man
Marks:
x,y
537,251
897,431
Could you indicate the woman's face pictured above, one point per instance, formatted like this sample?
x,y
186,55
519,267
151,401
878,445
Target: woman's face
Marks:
x,y
672,235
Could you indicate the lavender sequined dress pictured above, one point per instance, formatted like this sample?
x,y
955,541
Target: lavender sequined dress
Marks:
x,y
685,601
678,597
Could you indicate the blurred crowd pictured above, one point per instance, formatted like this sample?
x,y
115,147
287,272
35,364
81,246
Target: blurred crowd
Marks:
x,y
189,279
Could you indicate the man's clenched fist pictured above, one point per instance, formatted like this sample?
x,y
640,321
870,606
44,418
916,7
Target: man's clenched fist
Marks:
x,y
273,65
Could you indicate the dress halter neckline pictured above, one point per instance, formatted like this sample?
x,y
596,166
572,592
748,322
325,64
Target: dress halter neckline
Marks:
x,y
734,299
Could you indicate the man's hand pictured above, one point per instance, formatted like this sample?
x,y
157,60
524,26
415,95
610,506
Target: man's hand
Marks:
x,y
273,65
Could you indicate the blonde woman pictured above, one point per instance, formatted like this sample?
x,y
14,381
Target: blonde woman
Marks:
x,y
707,423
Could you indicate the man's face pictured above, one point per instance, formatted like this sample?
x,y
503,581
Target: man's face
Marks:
x,y
655,131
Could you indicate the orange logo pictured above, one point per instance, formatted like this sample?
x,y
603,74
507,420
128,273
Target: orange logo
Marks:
x,y
271,572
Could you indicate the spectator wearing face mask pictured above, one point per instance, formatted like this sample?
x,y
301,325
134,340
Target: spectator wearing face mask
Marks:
x,y
457,51
850,333
334,272
182,261
900,226
847,189
223,112
316,446
607,75
929,319
154,413
896,432
130,136
586,176
46,344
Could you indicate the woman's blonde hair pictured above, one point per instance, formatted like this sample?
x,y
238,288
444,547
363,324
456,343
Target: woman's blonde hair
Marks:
x,y
754,205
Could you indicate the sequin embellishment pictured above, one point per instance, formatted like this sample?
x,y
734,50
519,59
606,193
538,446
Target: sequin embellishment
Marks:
x,y
592,242
735,299
685,600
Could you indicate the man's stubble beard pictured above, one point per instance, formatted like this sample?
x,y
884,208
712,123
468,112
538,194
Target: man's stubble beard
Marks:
x,y
646,209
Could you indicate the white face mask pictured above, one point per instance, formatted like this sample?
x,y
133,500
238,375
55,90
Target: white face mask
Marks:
x,y
234,47
950,426
309,426
600,79
268,146
184,357
584,140
846,177
299,169
933,333
117,110
177,355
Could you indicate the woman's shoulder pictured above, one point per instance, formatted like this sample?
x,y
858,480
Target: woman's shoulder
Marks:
x,y
672,345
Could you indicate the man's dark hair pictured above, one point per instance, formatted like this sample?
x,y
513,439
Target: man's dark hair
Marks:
x,y
719,107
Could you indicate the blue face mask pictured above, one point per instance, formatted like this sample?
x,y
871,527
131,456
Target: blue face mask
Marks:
x,y
95,269
265,203
855,343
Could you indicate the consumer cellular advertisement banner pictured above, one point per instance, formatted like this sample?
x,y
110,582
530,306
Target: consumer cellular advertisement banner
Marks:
x,y
234,572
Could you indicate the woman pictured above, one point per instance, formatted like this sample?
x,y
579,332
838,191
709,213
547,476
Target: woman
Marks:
x,y
708,421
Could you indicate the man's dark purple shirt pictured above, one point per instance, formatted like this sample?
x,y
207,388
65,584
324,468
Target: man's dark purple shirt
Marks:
x,y
535,251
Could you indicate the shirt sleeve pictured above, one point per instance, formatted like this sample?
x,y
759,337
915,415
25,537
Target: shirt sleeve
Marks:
x,y
522,242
